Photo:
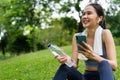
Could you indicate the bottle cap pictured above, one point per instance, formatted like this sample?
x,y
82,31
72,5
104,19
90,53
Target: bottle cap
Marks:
x,y
49,44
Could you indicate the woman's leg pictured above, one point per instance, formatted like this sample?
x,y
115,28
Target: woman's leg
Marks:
x,y
91,75
61,73
105,71
64,72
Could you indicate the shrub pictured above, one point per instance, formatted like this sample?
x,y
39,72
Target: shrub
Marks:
x,y
117,41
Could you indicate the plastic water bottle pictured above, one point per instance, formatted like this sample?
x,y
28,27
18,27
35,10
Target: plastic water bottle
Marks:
x,y
56,51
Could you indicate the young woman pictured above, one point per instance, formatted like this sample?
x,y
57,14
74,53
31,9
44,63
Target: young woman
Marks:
x,y
97,67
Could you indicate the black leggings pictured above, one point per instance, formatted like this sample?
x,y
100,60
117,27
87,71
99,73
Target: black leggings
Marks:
x,y
70,73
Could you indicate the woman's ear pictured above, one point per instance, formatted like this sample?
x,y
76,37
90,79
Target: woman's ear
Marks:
x,y
100,18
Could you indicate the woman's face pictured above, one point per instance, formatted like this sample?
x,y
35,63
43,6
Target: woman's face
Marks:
x,y
89,17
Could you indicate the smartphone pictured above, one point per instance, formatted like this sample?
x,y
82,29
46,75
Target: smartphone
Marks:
x,y
79,39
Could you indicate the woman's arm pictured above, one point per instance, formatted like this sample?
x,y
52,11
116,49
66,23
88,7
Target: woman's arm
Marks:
x,y
75,51
110,48
64,58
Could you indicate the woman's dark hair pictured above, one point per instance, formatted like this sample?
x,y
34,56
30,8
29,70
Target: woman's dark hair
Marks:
x,y
100,12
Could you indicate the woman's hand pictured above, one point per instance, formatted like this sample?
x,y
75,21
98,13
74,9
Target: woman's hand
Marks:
x,y
87,51
62,58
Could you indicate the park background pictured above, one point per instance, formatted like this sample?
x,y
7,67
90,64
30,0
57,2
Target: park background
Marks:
x,y
27,26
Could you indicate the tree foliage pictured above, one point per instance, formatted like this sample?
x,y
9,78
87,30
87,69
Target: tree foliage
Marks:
x,y
113,17
16,15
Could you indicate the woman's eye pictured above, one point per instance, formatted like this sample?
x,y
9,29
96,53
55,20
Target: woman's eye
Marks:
x,y
89,13
86,13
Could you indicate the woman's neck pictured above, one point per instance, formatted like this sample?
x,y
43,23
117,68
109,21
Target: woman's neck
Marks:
x,y
91,31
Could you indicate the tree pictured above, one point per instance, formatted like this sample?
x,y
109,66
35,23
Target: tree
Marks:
x,y
17,14
112,13
3,43
70,25
113,17
3,22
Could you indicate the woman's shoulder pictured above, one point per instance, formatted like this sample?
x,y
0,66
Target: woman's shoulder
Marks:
x,y
107,34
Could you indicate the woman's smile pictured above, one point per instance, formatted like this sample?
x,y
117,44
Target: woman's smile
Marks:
x,y
85,22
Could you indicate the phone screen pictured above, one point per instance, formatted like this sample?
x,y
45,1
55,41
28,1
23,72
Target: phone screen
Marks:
x,y
79,39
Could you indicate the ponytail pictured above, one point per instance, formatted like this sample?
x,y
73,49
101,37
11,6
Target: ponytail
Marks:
x,y
103,24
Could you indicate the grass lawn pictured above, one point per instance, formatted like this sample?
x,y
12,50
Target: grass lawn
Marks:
x,y
40,65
